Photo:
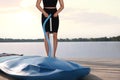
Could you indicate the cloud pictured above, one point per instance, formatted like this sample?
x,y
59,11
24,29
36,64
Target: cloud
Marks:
x,y
98,18
9,3
85,16
16,3
13,6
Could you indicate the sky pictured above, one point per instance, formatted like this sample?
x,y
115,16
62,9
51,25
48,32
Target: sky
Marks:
x,y
20,19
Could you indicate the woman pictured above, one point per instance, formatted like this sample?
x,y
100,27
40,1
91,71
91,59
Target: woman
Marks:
x,y
50,8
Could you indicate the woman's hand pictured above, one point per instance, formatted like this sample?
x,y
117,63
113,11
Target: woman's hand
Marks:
x,y
45,14
55,15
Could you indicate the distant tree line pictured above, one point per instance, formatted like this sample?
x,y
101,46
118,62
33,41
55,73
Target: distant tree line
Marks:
x,y
20,40
117,38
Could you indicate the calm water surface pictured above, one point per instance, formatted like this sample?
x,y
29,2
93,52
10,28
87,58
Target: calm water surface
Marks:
x,y
66,49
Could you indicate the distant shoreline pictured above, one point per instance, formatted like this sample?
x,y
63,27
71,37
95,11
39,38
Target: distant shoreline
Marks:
x,y
117,38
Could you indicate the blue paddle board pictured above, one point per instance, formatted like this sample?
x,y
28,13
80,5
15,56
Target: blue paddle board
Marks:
x,y
42,68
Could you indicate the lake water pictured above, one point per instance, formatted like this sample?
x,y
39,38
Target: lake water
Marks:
x,y
66,49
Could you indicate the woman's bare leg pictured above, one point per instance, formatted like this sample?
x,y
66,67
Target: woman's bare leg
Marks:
x,y
46,44
55,42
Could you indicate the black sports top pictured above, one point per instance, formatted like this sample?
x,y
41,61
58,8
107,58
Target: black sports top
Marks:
x,y
49,3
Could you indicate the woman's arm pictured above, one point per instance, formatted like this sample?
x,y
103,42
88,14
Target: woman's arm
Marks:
x,y
40,8
60,9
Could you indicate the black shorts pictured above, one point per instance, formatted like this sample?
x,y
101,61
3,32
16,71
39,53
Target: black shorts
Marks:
x,y
55,21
